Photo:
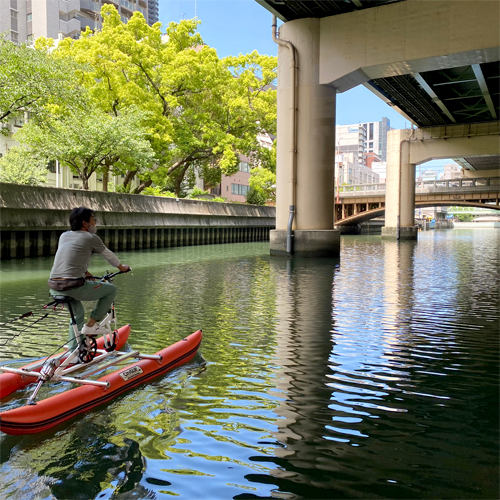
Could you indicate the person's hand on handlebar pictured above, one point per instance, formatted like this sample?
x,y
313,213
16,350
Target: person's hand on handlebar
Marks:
x,y
124,269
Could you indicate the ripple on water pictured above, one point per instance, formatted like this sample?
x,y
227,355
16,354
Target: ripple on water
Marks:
x,y
375,375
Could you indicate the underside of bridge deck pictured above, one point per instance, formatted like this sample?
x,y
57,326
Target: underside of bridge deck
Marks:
x,y
436,63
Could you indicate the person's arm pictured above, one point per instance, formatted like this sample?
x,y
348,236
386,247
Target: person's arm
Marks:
x,y
114,261
100,248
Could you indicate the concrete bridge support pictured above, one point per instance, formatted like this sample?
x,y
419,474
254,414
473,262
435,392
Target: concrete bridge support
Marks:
x,y
309,186
407,148
337,53
400,191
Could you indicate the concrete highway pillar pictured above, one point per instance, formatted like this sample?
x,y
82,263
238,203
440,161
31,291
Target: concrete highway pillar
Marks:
x,y
315,146
400,188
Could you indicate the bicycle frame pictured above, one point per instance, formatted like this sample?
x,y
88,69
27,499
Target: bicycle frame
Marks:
x,y
86,348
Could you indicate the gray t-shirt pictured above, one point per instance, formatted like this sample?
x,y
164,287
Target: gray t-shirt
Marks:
x,y
75,251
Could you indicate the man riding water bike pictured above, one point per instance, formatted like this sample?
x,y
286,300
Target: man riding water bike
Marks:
x,y
70,269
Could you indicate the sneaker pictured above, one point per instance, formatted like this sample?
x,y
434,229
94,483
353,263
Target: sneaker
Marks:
x,y
91,331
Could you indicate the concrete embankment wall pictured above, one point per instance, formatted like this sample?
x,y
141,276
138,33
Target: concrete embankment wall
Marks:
x,y
33,217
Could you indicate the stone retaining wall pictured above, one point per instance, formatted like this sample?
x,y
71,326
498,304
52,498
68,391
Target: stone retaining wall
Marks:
x,y
33,217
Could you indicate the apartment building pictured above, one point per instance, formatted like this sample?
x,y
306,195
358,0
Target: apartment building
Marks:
x,y
451,171
380,168
348,171
351,139
235,187
365,140
24,20
376,137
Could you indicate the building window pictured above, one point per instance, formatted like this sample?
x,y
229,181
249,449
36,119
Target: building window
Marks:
x,y
244,166
239,189
371,132
29,17
13,14
51,166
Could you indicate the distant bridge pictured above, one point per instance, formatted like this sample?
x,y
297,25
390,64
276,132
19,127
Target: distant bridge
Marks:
x,y
359,203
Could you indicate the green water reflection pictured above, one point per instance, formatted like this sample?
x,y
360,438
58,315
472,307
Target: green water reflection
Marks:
x,y
371,376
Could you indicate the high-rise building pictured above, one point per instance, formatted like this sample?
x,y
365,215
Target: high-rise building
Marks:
x,y
351,139
380,168
366,141
23,20
153,12
451,171
376,137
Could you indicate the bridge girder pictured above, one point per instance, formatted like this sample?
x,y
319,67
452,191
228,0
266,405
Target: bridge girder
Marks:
x,y
378,212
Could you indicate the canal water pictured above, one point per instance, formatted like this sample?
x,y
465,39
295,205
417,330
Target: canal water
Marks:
x,y
375,375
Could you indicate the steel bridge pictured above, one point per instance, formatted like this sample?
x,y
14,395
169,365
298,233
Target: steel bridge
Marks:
x,y
359,203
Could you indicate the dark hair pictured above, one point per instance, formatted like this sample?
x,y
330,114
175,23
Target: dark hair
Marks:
x,y
78,216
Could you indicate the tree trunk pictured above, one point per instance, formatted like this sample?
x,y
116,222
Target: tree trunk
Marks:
x,y
105,178
128,177
180,178
85,181
142,186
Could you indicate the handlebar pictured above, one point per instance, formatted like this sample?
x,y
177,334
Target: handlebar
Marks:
x,y
107,276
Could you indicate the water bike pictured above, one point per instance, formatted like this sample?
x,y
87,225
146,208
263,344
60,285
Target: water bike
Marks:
x,y
90,356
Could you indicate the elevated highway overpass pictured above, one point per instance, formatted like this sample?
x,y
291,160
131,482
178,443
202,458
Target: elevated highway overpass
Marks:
x,y
437,63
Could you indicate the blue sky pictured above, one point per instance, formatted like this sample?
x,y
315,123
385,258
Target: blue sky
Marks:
x,y
241,26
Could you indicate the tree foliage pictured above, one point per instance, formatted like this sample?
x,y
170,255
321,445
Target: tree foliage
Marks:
x,y
203,111
262,181
262,186
30,80
22,166
89,140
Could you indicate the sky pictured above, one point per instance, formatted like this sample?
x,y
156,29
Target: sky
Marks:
x,y
235,27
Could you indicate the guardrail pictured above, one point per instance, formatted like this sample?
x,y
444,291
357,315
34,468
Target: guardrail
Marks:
x,y
425,186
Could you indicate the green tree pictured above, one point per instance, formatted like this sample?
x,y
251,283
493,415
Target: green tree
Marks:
x,y
204,111
262,186
30,80
22,166
88,141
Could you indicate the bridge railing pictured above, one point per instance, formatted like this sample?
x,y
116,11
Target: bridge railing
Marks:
x,y
423,186
361,188
458,183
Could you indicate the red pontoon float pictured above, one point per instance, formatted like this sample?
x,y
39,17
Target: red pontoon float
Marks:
x,y
87,357
54,410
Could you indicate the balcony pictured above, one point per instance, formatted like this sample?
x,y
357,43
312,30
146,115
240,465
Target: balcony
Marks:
x,y
128,5
84,22
70,27
69,6
89,5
